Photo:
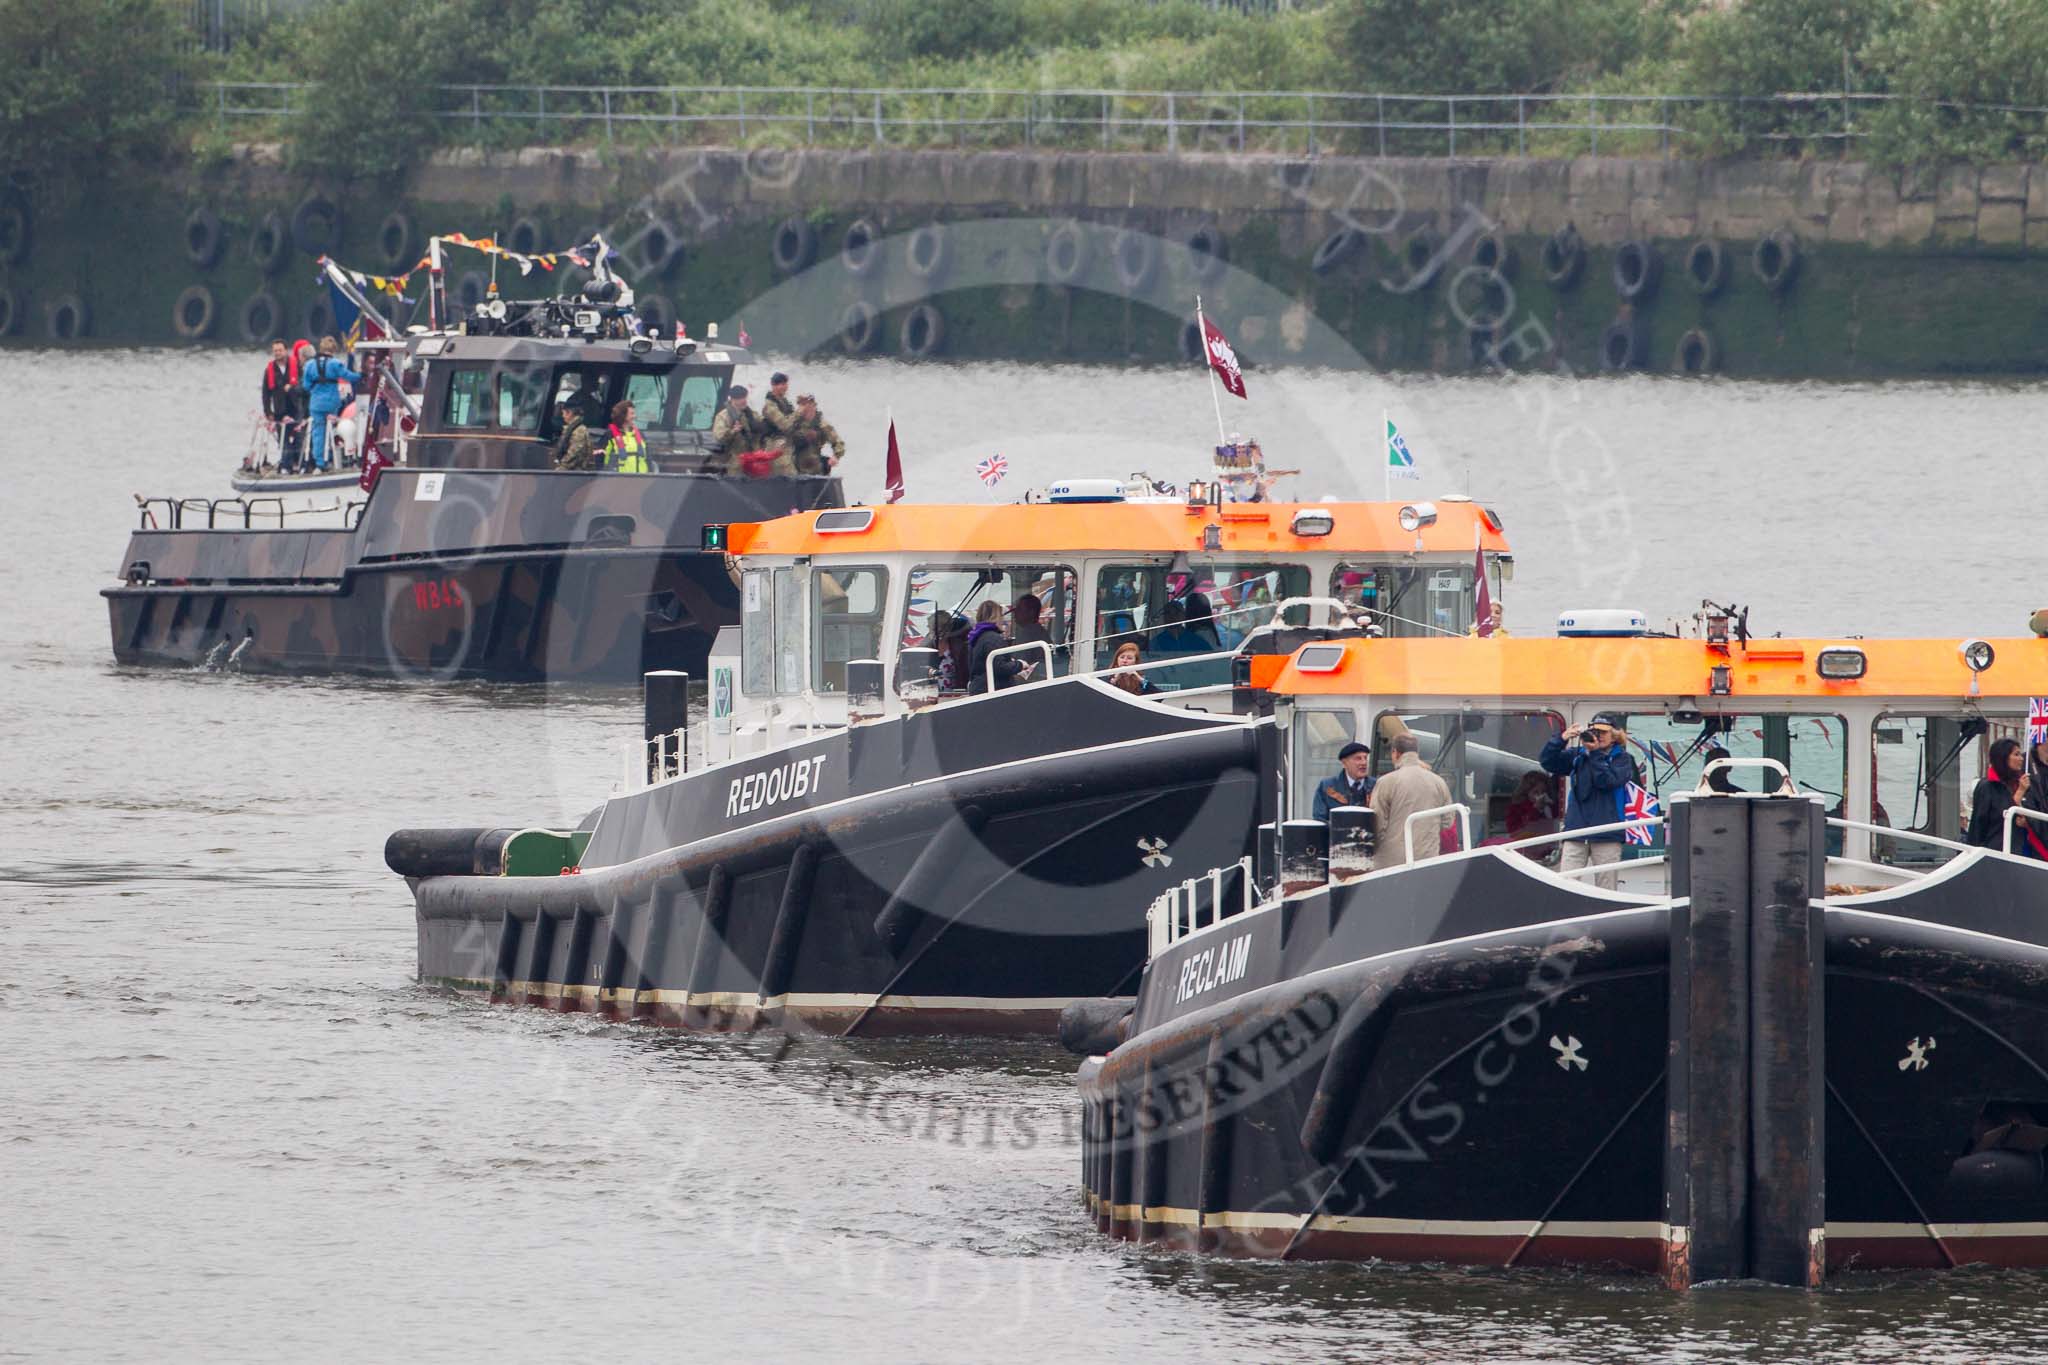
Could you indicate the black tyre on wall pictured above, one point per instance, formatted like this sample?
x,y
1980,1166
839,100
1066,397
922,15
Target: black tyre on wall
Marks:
x,y
1624,345
1564,258
193,315
11,309
260,316
795,244
1637,268
316,225
1337,248
1136,255
1066,253
1492,251
1208,251
660,247
1696,353
270,244
318,318
656,313
395,240
1776,261
1706,267
860,326
929,251
68,319
923,334
17,227
471,289
203,238
860,249
527,237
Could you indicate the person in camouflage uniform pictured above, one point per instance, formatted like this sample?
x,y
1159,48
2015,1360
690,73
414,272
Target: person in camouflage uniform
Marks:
x,y
736,430
778,414
809,434
574,448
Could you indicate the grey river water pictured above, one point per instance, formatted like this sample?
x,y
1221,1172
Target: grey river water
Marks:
x,y
231,1127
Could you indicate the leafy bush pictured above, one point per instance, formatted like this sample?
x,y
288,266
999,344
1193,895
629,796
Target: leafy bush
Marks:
x,y
1984,52
87,83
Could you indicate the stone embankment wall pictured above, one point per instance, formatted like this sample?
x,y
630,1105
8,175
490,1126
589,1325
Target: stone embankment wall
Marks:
x,y
1823,269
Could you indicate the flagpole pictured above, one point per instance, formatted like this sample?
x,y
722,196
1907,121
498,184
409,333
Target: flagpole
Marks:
x,y
1209,368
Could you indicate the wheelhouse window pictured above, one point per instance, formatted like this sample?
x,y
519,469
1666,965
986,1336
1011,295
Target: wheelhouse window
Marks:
x,y
1409,599
468,403
846,611
1491,761
789,632
939,593
1205,609
1672,751
1924,775
771,632
1312,752
522,397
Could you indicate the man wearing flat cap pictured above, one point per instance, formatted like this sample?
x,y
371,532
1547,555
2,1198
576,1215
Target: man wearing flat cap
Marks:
x,y
1353,784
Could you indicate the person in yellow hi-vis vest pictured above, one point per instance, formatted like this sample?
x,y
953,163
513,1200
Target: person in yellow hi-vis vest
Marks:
x,y
625,449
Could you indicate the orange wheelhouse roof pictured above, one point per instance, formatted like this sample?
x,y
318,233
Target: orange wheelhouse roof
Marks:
x,y
1251,530
1476,669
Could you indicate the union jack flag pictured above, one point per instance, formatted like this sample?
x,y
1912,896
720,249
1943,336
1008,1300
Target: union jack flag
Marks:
x,y
991,470
1638,804
2037,721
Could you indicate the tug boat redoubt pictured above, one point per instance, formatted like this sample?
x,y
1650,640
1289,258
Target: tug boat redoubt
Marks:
x,y
1808,1034
840,846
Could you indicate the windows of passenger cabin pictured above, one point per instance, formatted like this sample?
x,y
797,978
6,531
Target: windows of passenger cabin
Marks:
x,y
846,607
468,402
1491,761
1409,599
1207,608
1924,775
960,591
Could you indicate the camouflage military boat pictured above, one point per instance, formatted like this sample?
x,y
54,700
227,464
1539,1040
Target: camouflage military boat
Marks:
x,y
472,557
844,844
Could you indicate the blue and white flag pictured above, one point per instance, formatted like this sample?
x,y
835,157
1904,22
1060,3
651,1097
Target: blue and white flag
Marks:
x,y
1400,460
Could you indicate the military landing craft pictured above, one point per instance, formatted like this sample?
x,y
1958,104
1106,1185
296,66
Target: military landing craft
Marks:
x,y
472,556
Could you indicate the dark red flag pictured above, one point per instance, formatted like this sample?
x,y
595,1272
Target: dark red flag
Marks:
x,y
1222,359
894,470
1482,607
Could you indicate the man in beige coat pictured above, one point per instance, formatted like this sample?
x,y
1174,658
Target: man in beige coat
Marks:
x,y
1409,788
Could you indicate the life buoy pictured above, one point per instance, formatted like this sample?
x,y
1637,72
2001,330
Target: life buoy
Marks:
x,y
395,239
1706,266
859,326
16,228
795,244
1337,248
526,237
656,314
923,334
1696,353
1066,253
269,244
1776,260
472,289
1208,251
316,223
1137,259
860,249
1564,257
68,318
929,251
259,317
193,314
1622,345
661,248
318,318
1493,251
1637,268
202,238
10,312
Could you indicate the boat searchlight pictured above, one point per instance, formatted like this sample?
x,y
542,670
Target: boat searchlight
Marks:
x,y
1313,523
1416,515
1841,665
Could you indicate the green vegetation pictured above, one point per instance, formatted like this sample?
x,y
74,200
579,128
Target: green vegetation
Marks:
x,y
95,81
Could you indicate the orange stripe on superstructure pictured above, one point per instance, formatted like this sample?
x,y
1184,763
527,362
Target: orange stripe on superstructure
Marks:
x,y
1552,667
1246,530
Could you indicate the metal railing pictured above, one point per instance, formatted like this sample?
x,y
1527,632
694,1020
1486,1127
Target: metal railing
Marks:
x,y
1464,813
1302,122
1176,912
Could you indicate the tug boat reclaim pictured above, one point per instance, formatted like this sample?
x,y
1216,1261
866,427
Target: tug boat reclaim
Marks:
x,y
1812,1036
473,557
837,846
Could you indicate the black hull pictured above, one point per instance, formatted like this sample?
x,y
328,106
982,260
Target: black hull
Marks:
x,y
581,615
943,875
1663,1088
510,575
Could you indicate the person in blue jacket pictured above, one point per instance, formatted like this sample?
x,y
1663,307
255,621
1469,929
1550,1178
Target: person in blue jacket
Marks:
x,y
1353,784
323,380
1595,760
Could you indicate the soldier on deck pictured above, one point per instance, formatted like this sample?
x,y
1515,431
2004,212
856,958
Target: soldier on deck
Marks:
x,y
736,430
777,412
809,434
573,448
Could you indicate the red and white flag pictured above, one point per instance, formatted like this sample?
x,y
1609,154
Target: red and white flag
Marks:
x,y
893,471
2037,721
1222,358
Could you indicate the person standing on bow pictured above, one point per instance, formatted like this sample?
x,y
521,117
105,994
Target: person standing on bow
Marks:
x,y
778,414
808,435
625,449
280,378
323,379
1598,767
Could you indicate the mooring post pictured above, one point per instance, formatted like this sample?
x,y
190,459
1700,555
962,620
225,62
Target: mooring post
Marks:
x,y
1745,1146
1787,1050
1706,1130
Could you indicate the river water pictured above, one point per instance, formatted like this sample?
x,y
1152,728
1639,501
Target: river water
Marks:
x,y
232,1127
